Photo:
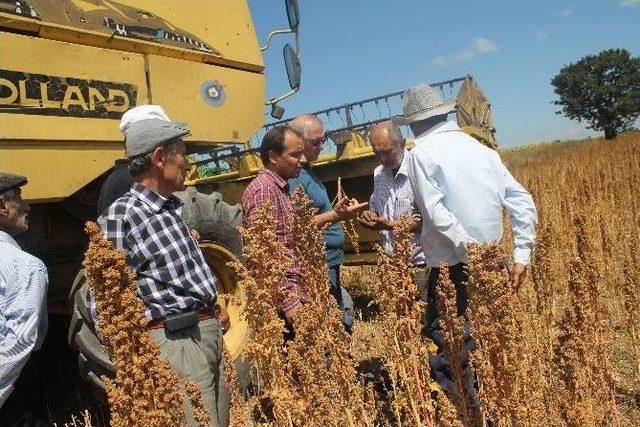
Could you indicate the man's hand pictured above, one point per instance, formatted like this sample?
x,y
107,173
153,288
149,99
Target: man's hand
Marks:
x,y
225,321
518,273
347,208
195,234
368,219
368,216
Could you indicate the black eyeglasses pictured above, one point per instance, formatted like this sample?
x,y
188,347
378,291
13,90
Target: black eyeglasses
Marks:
x,y
317,142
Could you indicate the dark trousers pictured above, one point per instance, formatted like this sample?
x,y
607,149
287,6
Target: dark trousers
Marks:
x,y
25,405
458,275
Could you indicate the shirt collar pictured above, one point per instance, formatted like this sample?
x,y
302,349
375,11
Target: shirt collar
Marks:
x,y
280,181
6,237
402,170
155,201
447,126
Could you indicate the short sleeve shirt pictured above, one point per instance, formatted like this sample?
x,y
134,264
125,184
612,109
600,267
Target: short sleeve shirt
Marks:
x,y
317,192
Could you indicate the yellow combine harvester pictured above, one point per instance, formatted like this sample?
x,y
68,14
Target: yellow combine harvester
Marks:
x,y
71,68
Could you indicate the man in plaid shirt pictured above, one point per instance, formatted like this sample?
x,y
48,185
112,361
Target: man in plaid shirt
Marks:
x,y
281,152
174,281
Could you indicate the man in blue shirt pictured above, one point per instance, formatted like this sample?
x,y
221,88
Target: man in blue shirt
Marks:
x,y
23,313
312,131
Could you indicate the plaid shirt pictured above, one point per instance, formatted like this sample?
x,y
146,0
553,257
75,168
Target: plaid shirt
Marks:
x,y
391,198
268,185
172,274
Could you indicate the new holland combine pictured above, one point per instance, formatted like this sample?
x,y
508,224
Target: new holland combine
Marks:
x,y
71,68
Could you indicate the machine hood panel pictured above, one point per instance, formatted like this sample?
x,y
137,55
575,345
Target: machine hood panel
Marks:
x,y
213,32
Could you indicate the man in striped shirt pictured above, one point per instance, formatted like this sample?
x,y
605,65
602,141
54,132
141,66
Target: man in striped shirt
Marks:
x,y
392,196
23,312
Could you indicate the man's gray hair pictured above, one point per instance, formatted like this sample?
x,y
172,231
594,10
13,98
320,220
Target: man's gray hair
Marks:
x,y
142,163
395,133
302,123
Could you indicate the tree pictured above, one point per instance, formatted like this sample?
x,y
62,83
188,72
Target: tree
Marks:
x,y
602,89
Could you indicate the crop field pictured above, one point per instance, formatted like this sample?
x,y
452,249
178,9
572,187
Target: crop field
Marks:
x,y
577,313
563,350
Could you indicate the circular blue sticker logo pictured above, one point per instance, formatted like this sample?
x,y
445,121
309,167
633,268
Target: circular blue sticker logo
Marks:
x,y
213,93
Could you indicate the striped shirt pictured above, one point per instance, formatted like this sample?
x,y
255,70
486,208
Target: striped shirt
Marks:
x,y
268,185
23,310
391,198
172,274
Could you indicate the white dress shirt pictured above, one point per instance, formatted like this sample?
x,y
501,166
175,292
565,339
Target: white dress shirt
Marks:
x,y
461,188
23,310
391,198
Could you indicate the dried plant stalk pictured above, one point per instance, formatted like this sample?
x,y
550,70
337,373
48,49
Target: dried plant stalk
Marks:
x,y
261,278
319,359
455,350
406,354
146,390
348,225
587,395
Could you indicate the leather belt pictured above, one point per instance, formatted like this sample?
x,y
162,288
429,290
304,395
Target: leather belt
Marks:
x,y
204,314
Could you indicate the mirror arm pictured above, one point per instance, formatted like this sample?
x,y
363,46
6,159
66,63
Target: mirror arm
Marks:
x,y
281,97
273,33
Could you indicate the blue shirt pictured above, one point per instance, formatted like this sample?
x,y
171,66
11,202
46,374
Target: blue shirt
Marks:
x,y
23,310
317,192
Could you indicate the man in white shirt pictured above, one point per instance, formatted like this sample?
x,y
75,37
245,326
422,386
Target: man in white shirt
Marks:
x,y
23,312
461,187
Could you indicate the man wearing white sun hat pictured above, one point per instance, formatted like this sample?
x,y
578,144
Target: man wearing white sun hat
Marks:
x,y
461,187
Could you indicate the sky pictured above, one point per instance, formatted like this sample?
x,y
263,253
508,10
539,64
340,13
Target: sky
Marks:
x,y
355,49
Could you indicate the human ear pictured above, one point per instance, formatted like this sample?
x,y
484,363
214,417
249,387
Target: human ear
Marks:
x,y
157,157
273,157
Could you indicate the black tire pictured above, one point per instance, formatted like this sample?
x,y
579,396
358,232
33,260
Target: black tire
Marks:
x,y
93,360
215,220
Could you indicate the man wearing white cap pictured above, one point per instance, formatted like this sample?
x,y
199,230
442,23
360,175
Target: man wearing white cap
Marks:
x,y
461,187
175,283
120,180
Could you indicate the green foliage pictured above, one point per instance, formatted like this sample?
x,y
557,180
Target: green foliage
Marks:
x,y
602,89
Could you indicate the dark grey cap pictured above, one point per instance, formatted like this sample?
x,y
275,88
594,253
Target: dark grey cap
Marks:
x,y
145,135
9,181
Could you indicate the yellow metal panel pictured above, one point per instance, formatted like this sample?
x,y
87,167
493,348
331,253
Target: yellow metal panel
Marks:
x,y
58,153
218,32
224,24
236,111
61,60
57,170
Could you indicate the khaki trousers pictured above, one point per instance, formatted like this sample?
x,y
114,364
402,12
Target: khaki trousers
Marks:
x,y
196,353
